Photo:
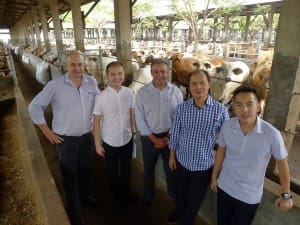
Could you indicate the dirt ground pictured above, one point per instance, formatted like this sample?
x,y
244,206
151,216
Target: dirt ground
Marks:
x,y
17,205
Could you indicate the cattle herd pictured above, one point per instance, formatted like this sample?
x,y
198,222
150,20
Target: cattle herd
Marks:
x,y
4,68
225,74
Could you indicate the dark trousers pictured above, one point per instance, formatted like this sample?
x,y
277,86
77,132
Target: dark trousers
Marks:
x,y
75,154
118,161
234,212
150,157
191,189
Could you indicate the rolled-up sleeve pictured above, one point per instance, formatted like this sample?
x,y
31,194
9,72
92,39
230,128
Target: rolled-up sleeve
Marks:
x,y
40,102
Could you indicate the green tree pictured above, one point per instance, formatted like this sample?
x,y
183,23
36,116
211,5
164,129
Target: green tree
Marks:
x,y
143,18
100,15
195,13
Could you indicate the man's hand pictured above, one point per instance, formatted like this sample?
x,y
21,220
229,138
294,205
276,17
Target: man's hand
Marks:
x,y
50,135
283,204
100,150
172,160
160,142
214,184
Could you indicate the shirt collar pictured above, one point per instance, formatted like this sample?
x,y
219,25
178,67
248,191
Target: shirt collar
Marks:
x,y
257,128
150,86
68,80
114,90
209,101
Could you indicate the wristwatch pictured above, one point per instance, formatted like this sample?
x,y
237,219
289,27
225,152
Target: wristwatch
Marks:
x,y
286,196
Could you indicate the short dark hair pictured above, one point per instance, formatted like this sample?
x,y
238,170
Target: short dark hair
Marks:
x,y
158,61
201,71
245,89
113,64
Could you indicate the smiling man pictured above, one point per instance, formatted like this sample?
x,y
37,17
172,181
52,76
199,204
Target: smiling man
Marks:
x,y
156,103
246,144
192,138
72,98
114,109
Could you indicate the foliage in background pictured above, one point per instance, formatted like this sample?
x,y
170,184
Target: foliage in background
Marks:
x,y
196,13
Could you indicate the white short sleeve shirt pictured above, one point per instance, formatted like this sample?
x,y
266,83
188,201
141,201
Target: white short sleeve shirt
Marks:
x,y
114,108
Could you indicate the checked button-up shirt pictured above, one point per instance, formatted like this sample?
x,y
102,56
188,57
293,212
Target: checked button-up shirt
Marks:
x,y
194,131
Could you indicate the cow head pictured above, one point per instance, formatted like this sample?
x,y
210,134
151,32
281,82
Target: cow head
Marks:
x,y
182,67
227,78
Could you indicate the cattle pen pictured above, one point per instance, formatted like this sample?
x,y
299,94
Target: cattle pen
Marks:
x,y
31,189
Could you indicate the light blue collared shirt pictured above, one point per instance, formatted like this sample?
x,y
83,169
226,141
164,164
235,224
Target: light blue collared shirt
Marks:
x,y
71,107
155,109
247,157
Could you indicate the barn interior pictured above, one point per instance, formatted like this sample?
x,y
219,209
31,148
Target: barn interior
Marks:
x,y
19,85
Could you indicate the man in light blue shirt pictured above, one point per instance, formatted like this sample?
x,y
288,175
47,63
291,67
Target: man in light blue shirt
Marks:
x,y
156,103
72,98
246,144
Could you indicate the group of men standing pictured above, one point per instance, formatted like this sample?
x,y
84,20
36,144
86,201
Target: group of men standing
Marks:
x,y
184,133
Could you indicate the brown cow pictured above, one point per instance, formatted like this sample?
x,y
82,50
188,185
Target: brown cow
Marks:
x,y
182,67
260,81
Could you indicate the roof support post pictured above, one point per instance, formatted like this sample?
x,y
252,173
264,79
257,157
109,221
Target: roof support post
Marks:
x,y
36,26
31,32
44,24
283,103
122,11
77,25
57,25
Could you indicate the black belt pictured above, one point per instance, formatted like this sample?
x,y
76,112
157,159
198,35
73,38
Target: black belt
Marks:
x,y
83,135
160,135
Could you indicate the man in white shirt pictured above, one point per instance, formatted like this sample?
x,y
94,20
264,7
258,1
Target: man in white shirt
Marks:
x,y
114,109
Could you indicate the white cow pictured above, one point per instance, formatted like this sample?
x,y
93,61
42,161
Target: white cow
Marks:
x,y
226,78
142,77
98,70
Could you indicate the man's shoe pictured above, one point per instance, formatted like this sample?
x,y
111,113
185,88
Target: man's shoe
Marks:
x,y
91,201
174,217
147,202
77,220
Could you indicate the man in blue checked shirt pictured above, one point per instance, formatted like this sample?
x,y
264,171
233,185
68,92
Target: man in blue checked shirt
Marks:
x,y
192,139
156,103
72,98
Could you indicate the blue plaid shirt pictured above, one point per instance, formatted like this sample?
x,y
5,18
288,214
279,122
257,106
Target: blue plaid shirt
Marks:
x,y
193,133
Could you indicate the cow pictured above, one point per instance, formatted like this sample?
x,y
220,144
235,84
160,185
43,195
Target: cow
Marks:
x,y
210,64
97,69
142,77
226,78
181,68
260,80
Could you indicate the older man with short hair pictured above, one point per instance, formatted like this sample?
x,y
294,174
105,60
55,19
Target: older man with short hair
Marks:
x,y
72,98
